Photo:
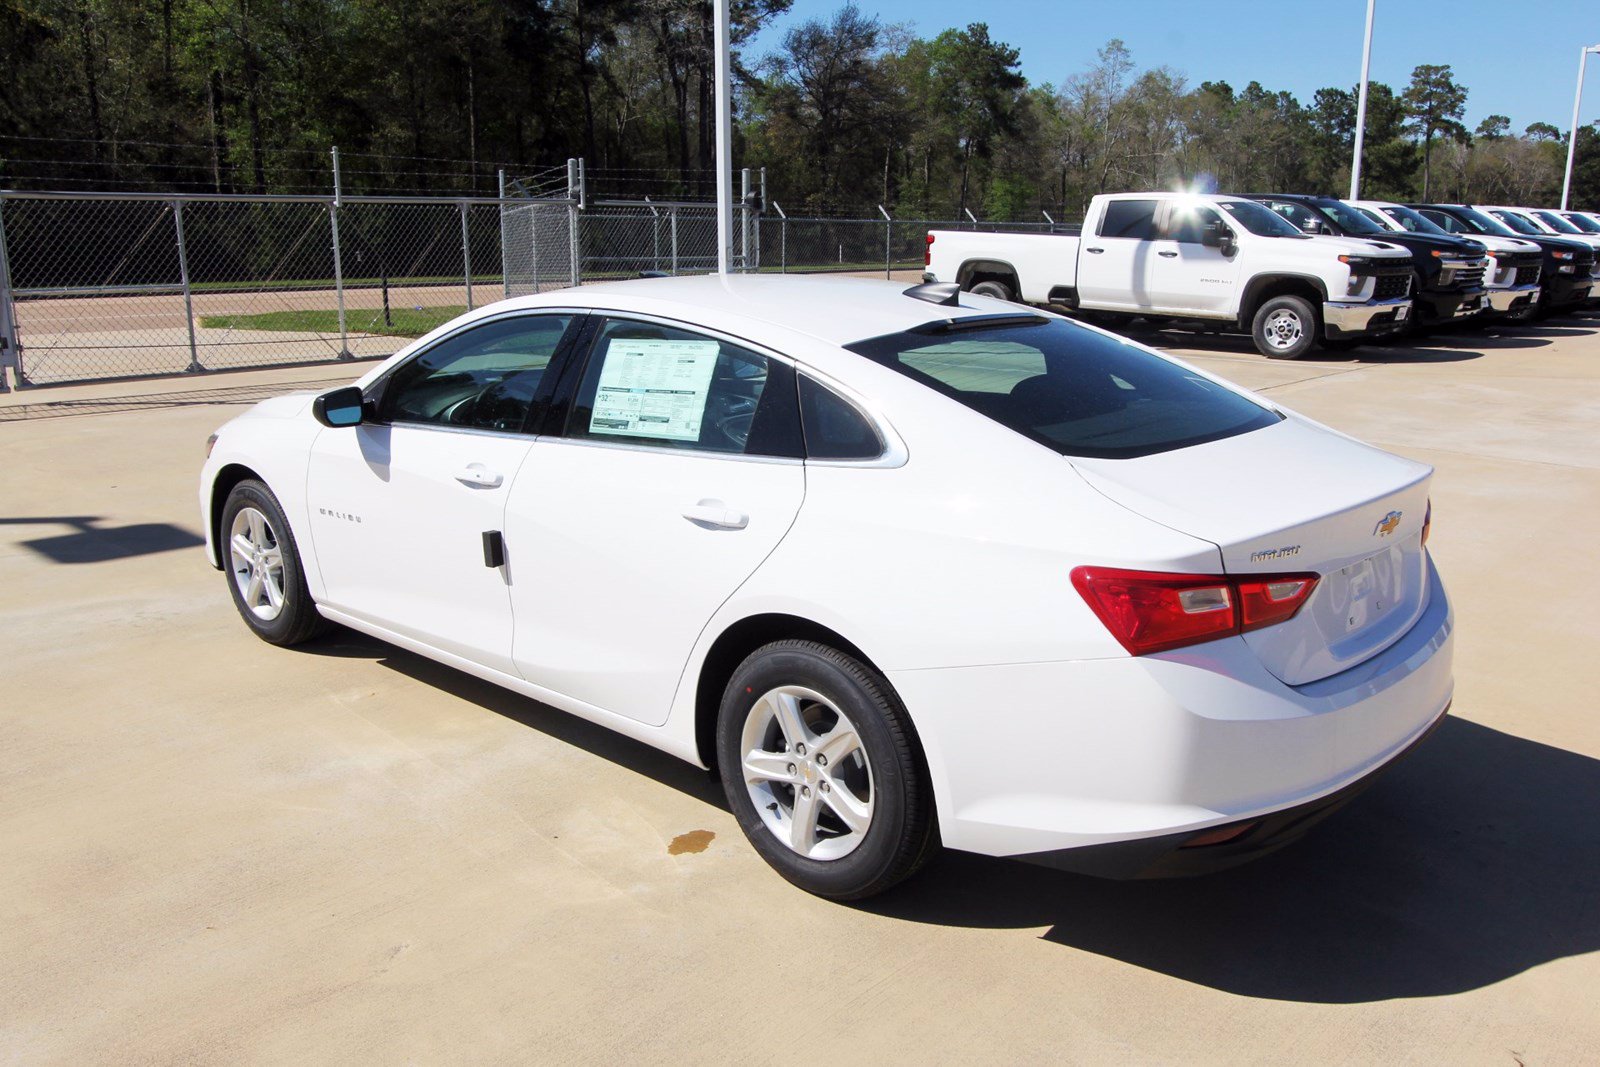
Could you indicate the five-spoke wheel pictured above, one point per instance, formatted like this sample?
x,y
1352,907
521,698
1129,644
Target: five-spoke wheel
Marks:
x,y
264,573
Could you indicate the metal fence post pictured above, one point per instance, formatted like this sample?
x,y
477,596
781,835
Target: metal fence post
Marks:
x,y
783,238
574,202
672,217
183,276
466,253
888,243
744,220
338,267
505,267
10,347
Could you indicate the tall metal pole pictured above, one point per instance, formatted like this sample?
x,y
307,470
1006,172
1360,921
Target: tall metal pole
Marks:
x,y
724,131
1572,138
744,221
1361,107
466,254
338,267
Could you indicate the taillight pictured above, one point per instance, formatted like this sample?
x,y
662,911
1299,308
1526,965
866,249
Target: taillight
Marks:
x,y
927,252
1154,611
1427,522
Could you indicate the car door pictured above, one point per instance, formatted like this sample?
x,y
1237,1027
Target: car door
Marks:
x,y
402,503
1187,275
1114,262
678,470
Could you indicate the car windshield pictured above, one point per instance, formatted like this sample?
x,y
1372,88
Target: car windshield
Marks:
x,y
1261,221
1587,225
1556,222
1348,218
1412,220
1478,222
1518,223
1072,389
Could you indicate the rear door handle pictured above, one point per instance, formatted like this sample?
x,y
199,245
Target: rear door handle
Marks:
x,y
1096,251
1167,255
713,513
478,474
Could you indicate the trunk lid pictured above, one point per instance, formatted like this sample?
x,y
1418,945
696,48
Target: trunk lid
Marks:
x,y
1297,498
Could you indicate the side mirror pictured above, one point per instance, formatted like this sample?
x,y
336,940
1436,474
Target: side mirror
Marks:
x,y
342,407
1217,235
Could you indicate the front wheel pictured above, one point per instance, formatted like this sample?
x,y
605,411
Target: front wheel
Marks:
x,y
263,567
820,769
1285,327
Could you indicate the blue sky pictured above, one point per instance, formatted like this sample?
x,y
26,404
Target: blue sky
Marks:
x,y
1517,57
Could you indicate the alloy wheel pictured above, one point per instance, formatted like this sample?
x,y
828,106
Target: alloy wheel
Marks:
x,y
256,559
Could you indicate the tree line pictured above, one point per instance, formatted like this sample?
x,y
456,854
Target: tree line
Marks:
x,y
844,112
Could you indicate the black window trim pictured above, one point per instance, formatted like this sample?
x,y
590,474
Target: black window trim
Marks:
x,y
374,391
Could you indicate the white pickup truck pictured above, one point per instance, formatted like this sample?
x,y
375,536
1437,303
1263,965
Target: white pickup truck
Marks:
x,y
1217,261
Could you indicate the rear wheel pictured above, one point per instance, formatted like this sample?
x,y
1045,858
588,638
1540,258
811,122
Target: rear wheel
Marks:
x,y
991,287
262,563
819,766
1285,327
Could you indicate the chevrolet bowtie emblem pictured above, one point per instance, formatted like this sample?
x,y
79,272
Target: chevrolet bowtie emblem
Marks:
x,y
1387,525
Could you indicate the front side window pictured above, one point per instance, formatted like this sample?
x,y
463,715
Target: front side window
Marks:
x,y
1518,223
648,384
1069,388
1411,220
1187,225
485,378
1259,220
1297,213
1133,219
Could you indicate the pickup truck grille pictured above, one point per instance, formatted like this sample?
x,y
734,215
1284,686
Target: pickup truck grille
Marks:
x,y
1391,286
1526,274
1471,278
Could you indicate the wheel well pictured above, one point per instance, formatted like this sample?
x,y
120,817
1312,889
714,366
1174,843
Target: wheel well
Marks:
x,y
228,477
974,271
1264,289
733,646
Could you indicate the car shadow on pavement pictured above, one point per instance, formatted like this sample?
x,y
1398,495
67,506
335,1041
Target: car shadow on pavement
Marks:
x,y
1409,350
625,752
90,542
1474,860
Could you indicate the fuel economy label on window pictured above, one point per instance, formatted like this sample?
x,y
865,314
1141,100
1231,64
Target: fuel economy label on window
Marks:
x,y
654,388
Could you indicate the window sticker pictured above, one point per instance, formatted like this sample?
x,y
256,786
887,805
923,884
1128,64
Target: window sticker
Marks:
x,y
654,388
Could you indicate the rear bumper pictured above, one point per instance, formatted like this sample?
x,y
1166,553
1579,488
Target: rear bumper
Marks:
x,y
1374,316
1053,762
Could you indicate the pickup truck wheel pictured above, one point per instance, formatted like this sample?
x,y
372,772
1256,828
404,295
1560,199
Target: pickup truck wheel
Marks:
x,y
1285,327
998,290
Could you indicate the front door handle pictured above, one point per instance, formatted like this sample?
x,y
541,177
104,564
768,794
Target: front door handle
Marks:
x,y
715,513
479,475
1167,255
1096,251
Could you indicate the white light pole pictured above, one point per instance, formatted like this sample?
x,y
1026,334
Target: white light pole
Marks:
x,y
1361,107
724,124
1572,138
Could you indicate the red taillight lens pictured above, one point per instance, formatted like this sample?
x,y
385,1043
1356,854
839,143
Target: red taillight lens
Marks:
x,y
1427,522
927,252
1153,611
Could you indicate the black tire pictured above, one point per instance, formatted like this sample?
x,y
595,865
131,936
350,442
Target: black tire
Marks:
x,y
902,833
1293,324
991,287
297,620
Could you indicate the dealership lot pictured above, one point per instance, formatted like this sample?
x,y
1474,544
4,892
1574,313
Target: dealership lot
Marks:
x,y
219,850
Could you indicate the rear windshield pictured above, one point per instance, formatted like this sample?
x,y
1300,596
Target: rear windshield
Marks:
x,y
1069,388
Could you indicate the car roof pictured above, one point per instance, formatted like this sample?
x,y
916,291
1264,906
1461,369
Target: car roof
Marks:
x,y
831,308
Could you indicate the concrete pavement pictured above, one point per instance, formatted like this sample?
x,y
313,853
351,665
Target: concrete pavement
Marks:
x,y
218,851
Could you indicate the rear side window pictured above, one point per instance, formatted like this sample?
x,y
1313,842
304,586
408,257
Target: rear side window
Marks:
x,y
834,428
1090,395
1130,218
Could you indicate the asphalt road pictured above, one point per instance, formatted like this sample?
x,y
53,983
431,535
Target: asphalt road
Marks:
x,y
216,851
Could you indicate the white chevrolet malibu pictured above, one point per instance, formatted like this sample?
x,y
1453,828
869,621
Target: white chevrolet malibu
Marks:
x,y
906,566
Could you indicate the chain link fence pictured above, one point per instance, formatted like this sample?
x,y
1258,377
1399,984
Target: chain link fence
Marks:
x,y
101,286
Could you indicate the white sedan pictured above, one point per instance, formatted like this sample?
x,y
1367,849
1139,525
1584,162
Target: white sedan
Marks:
x,y
906,566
